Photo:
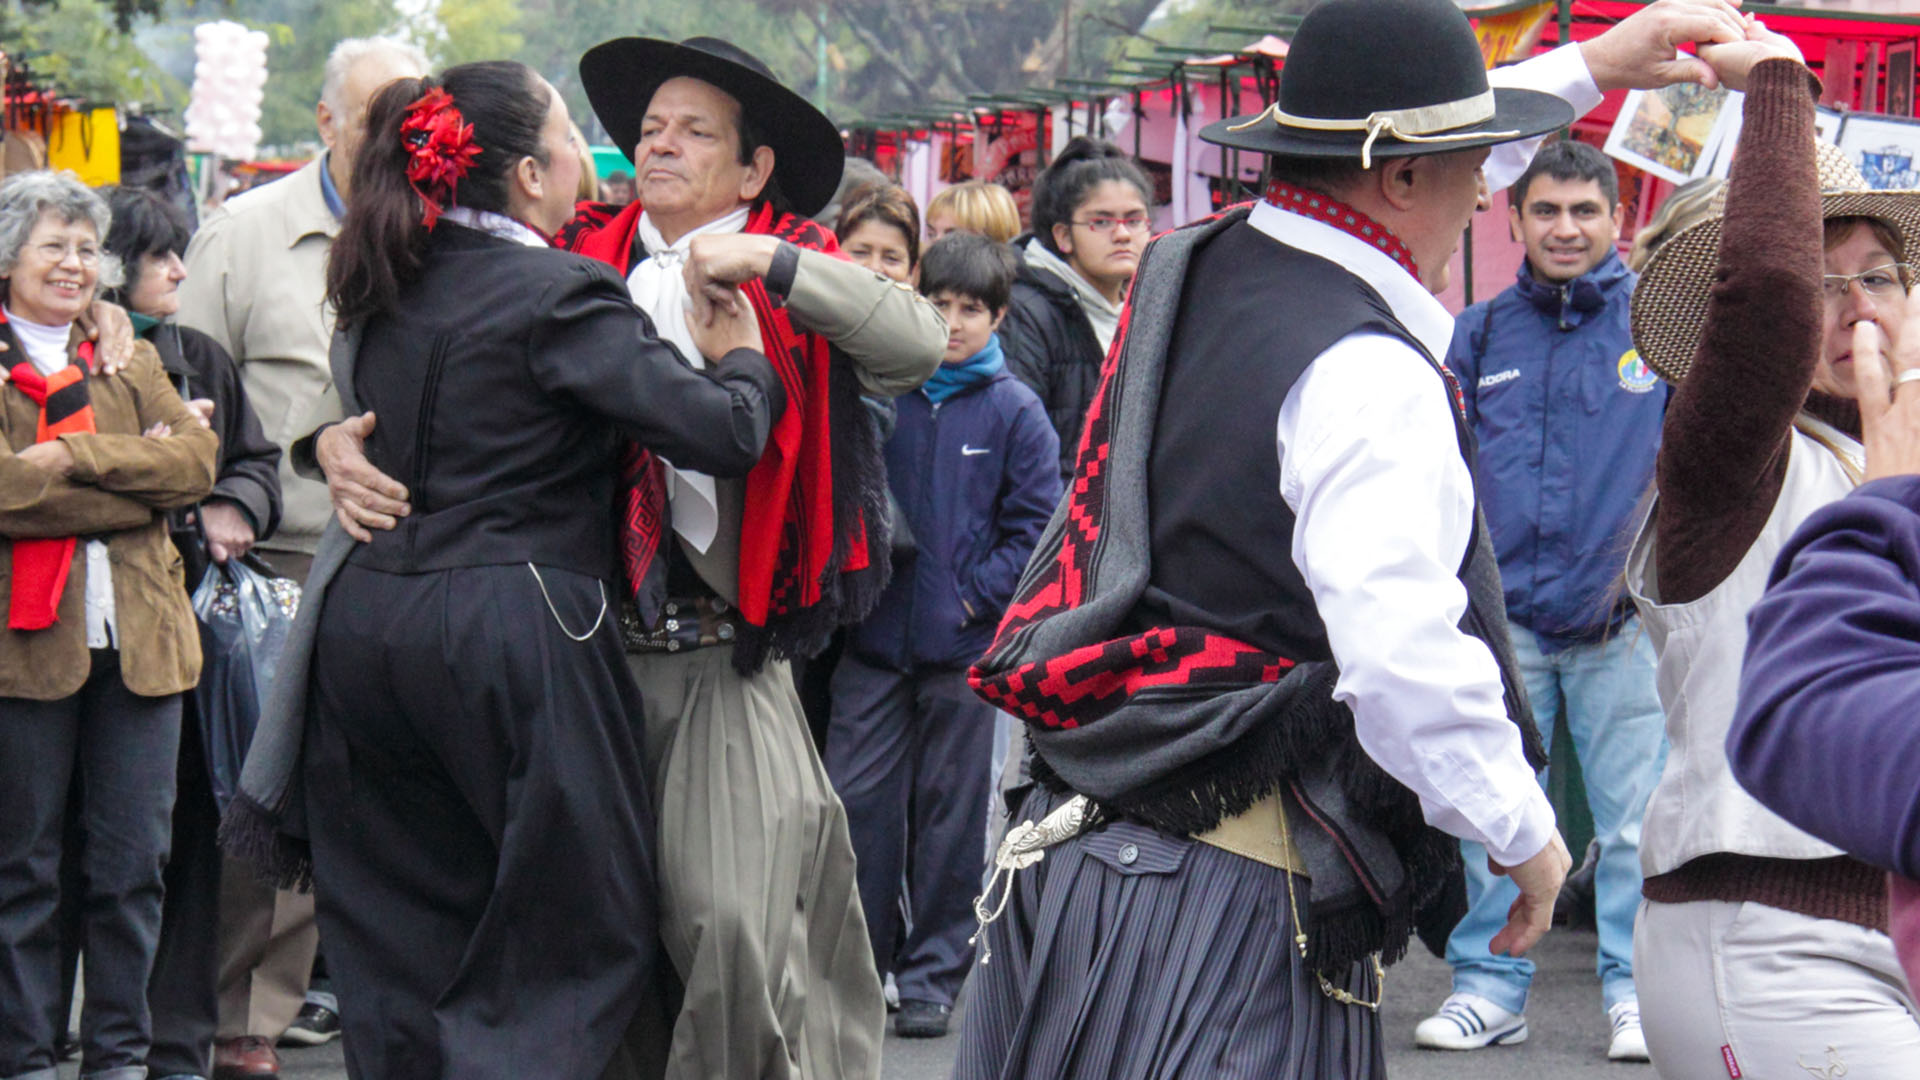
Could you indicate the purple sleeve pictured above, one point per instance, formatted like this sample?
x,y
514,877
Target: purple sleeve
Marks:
x,y
1827,733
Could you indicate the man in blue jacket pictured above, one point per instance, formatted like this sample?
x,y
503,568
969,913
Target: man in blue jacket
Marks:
x,y
1568,421
975,468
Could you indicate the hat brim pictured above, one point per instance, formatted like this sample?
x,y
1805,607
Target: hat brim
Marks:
x,y
1670,302
1517,114
620,77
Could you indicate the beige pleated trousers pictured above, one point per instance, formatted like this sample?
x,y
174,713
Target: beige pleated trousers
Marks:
x,y
758,906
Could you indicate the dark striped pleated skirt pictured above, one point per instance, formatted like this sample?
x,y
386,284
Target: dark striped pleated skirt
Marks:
x,y
1131,954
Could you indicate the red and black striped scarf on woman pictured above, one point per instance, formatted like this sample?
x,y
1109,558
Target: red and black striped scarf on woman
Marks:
x,y
815,502
41,566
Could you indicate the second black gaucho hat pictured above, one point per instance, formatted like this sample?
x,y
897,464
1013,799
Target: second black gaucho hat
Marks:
x,y
1373,79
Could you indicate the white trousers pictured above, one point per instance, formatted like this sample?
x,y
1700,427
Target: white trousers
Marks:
x,y
1751,992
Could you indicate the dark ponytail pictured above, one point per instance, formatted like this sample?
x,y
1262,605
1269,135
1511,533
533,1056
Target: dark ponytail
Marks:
x,y
1084,164
382,241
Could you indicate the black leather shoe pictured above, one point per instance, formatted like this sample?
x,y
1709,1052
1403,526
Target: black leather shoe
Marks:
x,y
921,1020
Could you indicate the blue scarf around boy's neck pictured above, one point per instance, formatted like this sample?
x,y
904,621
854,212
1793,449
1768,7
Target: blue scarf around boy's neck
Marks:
x,y
951,379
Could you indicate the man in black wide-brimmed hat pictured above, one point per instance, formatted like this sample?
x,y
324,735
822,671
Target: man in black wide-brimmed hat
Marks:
x,y
759,908
1261,651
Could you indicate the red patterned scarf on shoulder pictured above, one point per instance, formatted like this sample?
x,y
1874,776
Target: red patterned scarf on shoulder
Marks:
x,y
41,566
805,549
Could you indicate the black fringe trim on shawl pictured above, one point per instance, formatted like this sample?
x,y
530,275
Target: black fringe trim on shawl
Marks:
x,y
859,496
251,833
1312,728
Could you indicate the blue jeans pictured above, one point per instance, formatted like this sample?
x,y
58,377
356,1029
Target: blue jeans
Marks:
x,y
1606,690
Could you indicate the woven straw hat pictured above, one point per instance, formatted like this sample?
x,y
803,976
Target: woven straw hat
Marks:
x,y
1670,303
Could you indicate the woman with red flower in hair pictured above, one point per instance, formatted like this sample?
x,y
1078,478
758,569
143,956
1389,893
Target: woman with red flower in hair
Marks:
x,y
480,827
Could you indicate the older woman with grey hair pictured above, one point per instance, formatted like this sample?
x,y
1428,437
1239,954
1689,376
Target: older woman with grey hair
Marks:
x,y
99,641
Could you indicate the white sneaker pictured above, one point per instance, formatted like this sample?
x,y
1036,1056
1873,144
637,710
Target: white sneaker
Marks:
x,y
1628,1044
1469,1022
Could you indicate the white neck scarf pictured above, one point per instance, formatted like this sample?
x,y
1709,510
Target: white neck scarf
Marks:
x,y
495,225
660,289
46,345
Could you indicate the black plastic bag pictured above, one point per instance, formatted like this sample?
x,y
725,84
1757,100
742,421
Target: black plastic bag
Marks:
x,y
245,615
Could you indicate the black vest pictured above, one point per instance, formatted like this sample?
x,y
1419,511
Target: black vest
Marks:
x,y
1253,314
1222,535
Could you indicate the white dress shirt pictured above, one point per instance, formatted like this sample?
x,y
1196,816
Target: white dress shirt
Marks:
x,y
659,287
47,347
1370,465
1562,73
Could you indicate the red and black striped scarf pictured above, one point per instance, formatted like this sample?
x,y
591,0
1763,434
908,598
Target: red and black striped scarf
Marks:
x,y
41,566
807,553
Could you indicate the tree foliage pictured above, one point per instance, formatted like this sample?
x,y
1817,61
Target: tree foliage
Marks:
x,y
123,12
467,30
82,47
857,58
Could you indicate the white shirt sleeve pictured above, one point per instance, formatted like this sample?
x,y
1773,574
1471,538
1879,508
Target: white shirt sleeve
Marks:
x,y
1562,73
1383,503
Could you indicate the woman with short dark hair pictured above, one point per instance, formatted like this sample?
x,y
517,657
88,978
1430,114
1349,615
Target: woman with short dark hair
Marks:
x,y
149,236
880,230
475,789
1090,224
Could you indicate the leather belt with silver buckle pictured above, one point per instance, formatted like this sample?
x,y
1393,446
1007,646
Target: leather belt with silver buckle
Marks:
x,y
684,624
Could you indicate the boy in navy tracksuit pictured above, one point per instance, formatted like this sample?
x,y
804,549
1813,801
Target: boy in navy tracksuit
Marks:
x,y
974,466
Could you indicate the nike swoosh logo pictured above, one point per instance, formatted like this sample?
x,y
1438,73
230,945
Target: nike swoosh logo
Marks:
x,y
970,451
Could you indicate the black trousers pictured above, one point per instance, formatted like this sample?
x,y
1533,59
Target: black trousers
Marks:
x,y
482,834
182,993
911,757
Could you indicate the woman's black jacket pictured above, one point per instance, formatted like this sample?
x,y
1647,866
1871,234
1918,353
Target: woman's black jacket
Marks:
x,y
249,469
1050,345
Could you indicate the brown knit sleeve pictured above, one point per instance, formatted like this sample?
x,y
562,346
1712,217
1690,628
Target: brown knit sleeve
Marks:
x,y
1723,451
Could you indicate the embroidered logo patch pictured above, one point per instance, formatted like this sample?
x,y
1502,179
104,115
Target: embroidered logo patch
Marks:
x,y
1733,1066
1635,376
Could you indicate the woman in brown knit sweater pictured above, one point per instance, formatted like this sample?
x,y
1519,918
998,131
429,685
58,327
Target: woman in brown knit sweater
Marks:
x,y
1759,951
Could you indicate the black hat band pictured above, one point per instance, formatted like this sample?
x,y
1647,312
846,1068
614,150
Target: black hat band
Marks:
x,y
1422,124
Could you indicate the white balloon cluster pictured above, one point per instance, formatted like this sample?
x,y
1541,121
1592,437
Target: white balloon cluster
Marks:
x,y
229,81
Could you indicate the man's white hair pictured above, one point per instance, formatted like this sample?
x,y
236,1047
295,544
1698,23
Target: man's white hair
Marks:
x,y
351,51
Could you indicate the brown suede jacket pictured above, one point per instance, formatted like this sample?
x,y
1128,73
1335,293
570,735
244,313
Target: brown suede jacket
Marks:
x,y
120,484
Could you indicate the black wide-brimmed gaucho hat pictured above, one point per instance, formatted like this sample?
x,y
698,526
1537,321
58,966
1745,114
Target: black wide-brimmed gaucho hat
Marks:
x,y
620,77
1388,78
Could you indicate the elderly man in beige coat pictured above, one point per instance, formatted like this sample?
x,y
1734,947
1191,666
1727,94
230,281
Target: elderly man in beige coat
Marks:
x,y
256,276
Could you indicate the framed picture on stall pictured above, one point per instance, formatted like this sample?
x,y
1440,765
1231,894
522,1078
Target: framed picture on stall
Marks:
x,y
1885,149
1900,78
1671,133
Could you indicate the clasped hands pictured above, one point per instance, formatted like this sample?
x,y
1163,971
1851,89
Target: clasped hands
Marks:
x,y
1643,51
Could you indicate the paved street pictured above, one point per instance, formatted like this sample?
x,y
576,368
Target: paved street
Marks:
x,y
1568,1041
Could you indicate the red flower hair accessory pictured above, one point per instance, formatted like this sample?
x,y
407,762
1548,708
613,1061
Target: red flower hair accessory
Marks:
x,y
440,145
